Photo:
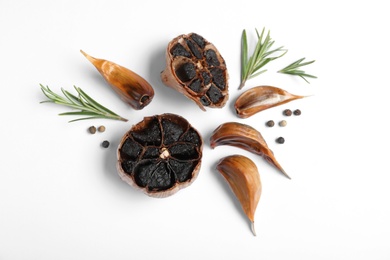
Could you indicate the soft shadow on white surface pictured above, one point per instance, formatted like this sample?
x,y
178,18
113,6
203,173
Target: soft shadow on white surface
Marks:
x,y
111,174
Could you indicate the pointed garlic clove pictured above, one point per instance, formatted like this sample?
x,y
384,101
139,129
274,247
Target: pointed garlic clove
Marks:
x,y
244,180
260,98
131,87
245,137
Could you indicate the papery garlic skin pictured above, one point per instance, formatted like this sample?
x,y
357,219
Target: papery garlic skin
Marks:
x,y
243,178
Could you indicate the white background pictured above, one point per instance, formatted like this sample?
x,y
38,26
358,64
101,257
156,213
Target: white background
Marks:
x,y
61,197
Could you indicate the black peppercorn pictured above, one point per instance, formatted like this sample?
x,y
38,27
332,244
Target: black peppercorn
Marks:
x,y
105,144
287,112
92,129
297,112
280,140
270,123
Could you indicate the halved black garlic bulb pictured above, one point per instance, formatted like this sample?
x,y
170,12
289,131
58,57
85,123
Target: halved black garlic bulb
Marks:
x,y
195,68
160,155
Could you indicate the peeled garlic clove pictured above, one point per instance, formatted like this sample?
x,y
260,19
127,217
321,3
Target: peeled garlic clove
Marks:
x,y
131,87
260,98
245,137
244,180
195,68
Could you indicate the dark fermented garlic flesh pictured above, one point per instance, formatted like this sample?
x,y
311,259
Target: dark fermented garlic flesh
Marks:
x,y
245,137
260,98
195,68
131,87
160,155
244,180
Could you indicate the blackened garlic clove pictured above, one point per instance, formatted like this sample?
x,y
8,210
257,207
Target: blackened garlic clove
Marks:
x,y
260,98
245,137
131,87
244,180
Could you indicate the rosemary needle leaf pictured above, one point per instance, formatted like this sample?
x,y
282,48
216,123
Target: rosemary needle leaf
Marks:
x,y
244,53
85,105
70,97
293,69
93,103
260,57
79,113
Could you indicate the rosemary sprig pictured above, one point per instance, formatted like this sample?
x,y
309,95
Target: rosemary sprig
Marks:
x,y
293,69
87,106
250,68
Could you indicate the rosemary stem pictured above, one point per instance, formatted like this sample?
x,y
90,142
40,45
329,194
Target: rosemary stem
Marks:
x,y
87,107
242,84
252,65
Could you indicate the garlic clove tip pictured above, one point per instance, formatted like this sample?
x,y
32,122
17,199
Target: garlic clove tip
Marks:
x,y
285,174
253,228
89,57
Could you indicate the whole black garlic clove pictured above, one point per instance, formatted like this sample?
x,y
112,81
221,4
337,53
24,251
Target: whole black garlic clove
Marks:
x,y
242,175
245,137
259,98
131,87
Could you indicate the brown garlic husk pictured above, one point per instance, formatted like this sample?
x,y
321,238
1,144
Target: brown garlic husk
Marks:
x,y
131,87
245,137
244,180
260,98
195,68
